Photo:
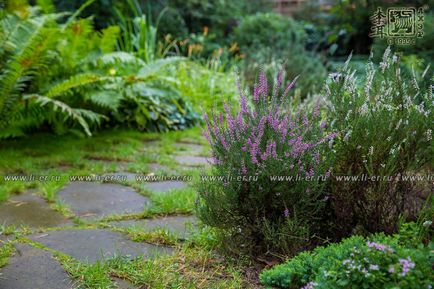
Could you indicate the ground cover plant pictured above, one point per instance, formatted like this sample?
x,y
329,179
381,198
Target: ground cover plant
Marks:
x,y
376,262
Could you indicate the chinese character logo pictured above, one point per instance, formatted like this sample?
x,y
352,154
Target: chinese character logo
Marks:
x,y
379,21
400,25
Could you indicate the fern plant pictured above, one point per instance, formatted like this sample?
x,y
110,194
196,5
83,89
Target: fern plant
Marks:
x,y
66,76
28,52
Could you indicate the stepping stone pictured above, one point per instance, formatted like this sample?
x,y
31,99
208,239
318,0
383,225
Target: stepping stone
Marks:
x,y
33,268
96,244
178,225
154,167
191,160
190,148
30,210
164,186
94,200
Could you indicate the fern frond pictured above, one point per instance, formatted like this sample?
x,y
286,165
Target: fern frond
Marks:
x,y
105,98
81,116
11,132
20,68
153,68
108,39
75,81
120,57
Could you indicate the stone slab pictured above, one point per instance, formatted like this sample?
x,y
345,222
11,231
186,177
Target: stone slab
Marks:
x,y
91,245
122,284
189,148
191,160
94,200
33,268
120,176
30,210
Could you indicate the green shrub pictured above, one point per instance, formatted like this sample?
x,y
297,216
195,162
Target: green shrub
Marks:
x,y
39,79
277,43
142,95
206,88
376,262
264,138
385,130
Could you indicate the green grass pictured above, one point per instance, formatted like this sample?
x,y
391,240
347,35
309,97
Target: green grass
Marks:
x,y
62,156
6,251
180,201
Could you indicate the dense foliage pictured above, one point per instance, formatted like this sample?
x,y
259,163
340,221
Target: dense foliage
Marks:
x,y
266,137
64,75
40,74
376,262
278,43
385,127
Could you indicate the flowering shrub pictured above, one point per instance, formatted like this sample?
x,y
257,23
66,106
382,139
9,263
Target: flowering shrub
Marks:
x,y
356,262
385,130
251,147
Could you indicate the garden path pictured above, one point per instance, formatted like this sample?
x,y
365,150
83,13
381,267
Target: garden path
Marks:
x,y
101,218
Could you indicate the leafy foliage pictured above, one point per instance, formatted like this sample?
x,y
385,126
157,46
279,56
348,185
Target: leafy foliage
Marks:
x,y
277,43
206,88
28,50
66,76
376,262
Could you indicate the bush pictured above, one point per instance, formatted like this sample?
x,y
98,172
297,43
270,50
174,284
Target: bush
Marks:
x,y
40,77
206,88
377,262
279,41
385,130
265,138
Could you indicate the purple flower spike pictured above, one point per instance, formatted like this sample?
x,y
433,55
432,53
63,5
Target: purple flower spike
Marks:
x,y
263,84
278,84
288,88
256,93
